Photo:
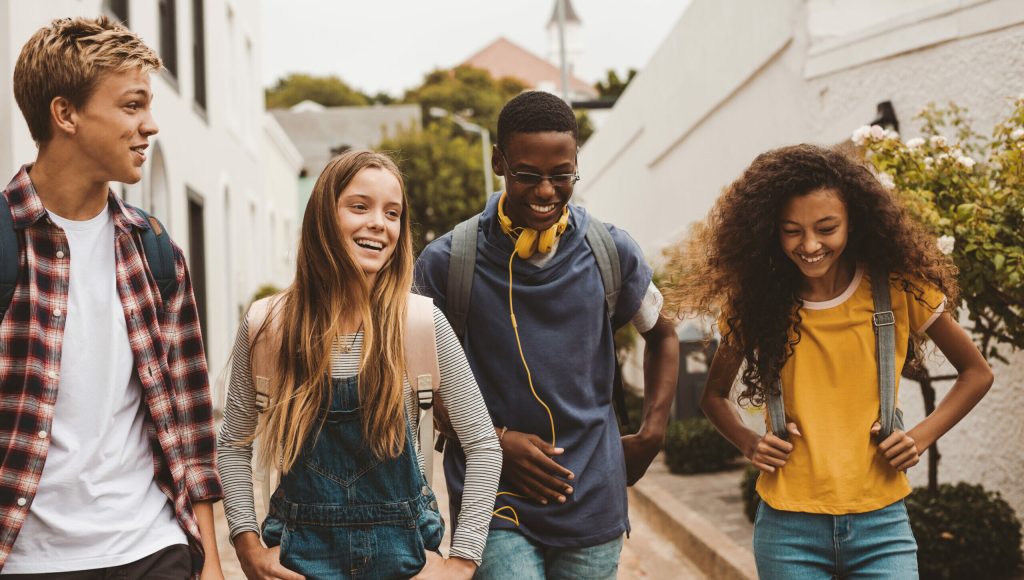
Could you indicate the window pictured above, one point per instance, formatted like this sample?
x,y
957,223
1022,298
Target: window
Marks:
x,y
199,53
117,9
169,36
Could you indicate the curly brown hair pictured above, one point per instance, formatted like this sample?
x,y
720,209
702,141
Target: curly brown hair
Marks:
x,y
734,264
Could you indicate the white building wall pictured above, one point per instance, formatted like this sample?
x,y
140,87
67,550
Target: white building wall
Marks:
x,y
204,153
734,79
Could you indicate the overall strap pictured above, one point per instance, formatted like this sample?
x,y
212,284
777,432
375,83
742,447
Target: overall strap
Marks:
x,y
461,264
9,258
607,257
884,323
422,371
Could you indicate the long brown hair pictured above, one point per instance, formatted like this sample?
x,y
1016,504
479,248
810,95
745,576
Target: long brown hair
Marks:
x,y
734,263
329,285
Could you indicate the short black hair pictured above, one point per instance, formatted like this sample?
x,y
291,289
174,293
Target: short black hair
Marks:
x,y
535,112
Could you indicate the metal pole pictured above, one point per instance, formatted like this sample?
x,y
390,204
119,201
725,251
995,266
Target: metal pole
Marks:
x,y
485,140
561,50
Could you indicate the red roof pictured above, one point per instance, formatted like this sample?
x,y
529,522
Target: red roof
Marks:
x,y
504,58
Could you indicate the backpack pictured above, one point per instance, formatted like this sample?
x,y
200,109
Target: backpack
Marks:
x,y
462,263
884,323
421,369
156,244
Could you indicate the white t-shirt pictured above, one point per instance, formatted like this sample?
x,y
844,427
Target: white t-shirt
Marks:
x,y
98,504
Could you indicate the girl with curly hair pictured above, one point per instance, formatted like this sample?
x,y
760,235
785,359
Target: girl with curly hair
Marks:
x,y
787,259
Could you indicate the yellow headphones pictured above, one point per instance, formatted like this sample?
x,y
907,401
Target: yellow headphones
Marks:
x,y
528,240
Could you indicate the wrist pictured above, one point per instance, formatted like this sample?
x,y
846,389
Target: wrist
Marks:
x,y
246,542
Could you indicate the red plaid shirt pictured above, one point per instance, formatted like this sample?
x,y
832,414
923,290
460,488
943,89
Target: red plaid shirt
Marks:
x,y
169,359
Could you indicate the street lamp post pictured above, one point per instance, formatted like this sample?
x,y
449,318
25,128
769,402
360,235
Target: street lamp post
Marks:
x,y
485,142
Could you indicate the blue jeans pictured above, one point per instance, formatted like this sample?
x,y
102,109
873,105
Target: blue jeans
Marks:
x,y
510,555
805,546
343,512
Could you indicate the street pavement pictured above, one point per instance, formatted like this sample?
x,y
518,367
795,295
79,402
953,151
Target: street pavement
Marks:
x,y
645,555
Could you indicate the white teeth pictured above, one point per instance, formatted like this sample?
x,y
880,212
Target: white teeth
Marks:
x,y
812,259
371,244
542,208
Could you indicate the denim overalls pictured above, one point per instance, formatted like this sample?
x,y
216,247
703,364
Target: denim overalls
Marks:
x,y
343,513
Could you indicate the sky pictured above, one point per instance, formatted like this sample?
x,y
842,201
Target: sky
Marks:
x,y
389,45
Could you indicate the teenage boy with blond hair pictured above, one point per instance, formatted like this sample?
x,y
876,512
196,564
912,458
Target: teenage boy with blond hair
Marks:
x,y
106,430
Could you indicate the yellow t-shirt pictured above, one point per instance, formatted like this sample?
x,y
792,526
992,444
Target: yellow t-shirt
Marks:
x,y
830,390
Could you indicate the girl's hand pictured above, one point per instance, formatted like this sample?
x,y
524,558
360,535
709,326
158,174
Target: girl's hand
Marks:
x,y
771,452
260,563
438,567
899,449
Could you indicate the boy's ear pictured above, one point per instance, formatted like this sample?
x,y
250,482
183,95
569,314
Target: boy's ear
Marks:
x,y
64,116
496,165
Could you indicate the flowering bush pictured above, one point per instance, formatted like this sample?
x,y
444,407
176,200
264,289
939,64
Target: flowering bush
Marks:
x,y
969,191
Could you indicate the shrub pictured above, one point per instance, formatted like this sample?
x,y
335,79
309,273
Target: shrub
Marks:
x,y
695,446
964,531
748,491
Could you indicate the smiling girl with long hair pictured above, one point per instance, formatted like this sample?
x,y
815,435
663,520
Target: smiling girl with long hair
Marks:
x,y
353,500
806,259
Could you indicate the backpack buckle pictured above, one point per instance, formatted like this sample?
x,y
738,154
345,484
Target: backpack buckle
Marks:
x,y
886,318
424,392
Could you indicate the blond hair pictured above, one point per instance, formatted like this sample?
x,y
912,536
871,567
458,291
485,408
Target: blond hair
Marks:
x,y
329,284
66,59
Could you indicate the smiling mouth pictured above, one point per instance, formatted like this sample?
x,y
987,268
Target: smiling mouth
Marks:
x,y
140,151
370,244
543,208
813,259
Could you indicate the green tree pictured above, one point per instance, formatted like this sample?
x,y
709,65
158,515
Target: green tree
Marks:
x,y
585,127
968,191
443,172
468,91
611,88
329,91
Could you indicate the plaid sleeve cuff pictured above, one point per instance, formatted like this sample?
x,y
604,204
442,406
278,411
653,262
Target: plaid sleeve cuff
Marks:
x,y
203,483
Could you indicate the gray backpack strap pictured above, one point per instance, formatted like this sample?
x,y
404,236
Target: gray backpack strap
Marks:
x,y
460,273
607,257
884,323
777,410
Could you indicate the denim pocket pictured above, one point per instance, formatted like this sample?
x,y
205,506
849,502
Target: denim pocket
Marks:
x,y
431,528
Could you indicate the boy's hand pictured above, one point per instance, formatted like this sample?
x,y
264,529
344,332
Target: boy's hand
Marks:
x,y
899,449
446,569
639,450
770,452
527,465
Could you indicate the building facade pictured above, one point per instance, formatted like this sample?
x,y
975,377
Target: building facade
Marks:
x,y
221,175
735,78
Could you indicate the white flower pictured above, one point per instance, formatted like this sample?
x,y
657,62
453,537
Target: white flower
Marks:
x,y
942,157
946,244
929,161
877,132
938,141
1017,134
892,135
966,161
915,143
886,180
860,136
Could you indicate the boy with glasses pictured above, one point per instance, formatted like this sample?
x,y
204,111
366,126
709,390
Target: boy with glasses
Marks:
x,y
106,428
538,331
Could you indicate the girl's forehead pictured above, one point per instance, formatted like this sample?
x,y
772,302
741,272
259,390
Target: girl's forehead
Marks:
x,y
822,200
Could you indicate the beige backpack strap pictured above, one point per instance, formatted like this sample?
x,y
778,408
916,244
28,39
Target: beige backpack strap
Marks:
x,y
263,359
422,371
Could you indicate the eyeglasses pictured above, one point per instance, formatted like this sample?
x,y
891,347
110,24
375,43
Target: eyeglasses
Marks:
x,y
534,179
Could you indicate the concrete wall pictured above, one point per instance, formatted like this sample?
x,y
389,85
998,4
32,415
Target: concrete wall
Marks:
x,y
734,79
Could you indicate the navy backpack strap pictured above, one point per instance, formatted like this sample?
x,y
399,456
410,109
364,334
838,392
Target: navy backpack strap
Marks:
x,y
156,243
607,257
9,258
461,264
884,323
777,410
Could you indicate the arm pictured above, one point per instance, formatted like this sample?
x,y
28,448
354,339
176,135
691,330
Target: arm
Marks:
x,y
974,378
211,565
661,372
766,452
